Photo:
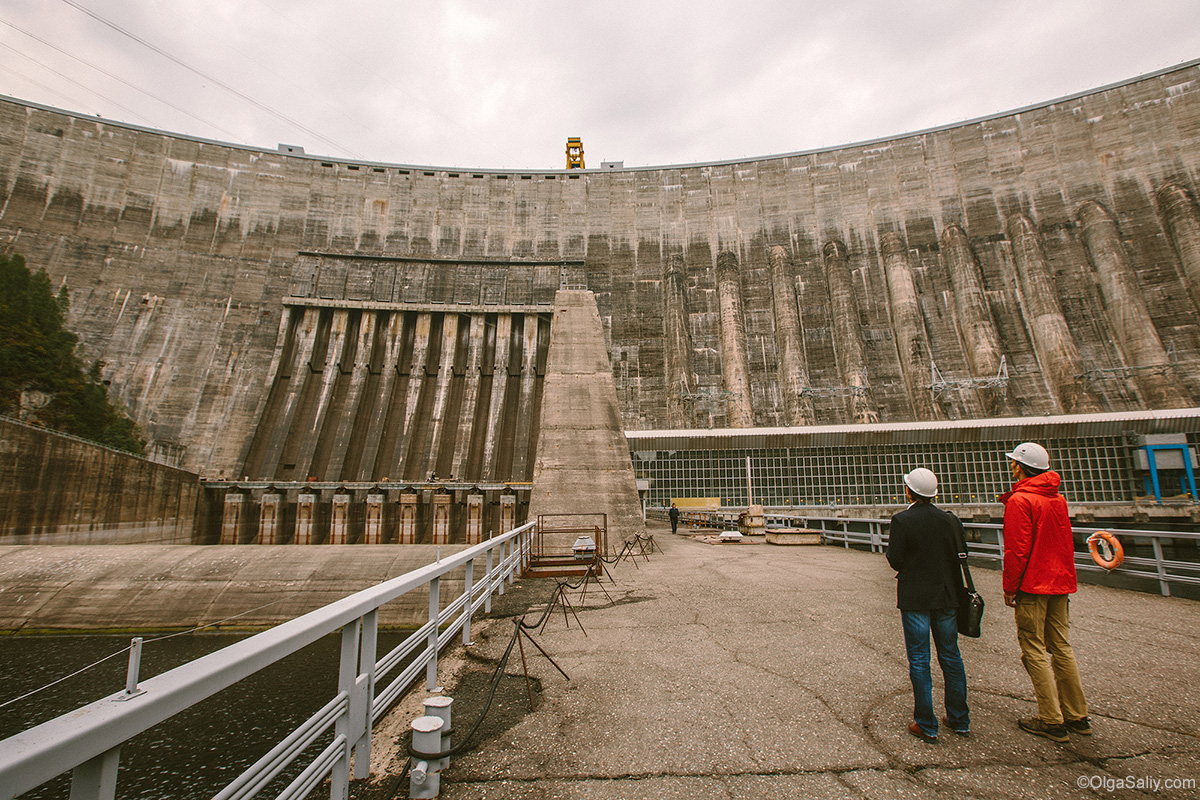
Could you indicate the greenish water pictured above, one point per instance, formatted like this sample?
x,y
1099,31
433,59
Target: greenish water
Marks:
x,y
196,753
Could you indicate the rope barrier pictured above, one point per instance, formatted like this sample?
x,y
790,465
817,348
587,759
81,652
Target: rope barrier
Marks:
x,y
127,648
220,621
27,695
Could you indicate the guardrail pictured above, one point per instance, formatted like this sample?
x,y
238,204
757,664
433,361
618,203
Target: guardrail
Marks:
x,y
989,544
88,740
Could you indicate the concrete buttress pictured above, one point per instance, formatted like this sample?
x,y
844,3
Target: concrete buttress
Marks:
x,y
1127,310
583,463
1052,338
734,366
677,345
847,341
1182,218
908,326
976,324
789,341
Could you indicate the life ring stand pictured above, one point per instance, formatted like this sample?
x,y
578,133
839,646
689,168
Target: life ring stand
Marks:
x,y
1106,550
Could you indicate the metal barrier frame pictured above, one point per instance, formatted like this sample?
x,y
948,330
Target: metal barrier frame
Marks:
x,y
837,530
88,740
544,528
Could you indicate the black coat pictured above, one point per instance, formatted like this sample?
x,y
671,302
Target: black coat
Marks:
x,y
923,548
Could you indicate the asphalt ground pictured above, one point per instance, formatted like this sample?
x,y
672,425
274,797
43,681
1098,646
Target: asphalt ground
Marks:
x,y
749,671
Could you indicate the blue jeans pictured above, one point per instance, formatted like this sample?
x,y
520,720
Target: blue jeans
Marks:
x,y
943,624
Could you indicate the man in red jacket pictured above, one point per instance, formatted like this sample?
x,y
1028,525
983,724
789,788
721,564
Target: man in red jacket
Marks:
x,y
1039,578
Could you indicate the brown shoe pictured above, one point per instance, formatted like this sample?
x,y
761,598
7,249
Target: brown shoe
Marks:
x,y
1081,726
946,722
1055,733
916,731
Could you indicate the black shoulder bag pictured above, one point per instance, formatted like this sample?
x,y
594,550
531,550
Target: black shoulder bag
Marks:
x,y
970,603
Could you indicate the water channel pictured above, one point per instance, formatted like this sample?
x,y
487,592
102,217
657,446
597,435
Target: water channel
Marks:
x,y
196,753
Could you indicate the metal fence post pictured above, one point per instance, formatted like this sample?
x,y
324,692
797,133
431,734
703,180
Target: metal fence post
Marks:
x,y
432,644
363,697
514,556
97,779
468,592
1163,584
502,566
339,776
487,581
135,666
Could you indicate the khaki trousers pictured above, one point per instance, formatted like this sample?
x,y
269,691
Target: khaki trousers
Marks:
x,y
1042,626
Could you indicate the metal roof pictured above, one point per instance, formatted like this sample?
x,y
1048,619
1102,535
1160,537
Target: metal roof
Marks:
x,y
1004,429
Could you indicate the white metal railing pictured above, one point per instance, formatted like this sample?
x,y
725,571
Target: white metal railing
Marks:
x,y
88,740
837,530
871,532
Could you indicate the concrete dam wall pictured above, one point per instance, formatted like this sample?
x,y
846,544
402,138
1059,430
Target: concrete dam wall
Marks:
x,y
1038,262
57,489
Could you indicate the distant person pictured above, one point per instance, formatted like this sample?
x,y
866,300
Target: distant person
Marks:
x,y
1039,578
674,515
923,548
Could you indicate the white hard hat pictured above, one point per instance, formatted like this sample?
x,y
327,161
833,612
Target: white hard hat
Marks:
x,y
1031,455
922,482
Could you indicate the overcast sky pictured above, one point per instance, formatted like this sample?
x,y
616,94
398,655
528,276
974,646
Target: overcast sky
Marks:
x,y
487,83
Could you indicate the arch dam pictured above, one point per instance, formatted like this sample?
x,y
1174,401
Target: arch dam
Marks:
x,y
284,320
309,333
280,316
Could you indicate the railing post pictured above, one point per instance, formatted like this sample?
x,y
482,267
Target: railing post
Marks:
x,y
514,556
503,565
363,698
339,776
135,666
432,644
487,581
97,779
1164,585
468,592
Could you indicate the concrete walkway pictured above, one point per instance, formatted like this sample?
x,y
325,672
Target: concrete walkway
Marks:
x,y
757,671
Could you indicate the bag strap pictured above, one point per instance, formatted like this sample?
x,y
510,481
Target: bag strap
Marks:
x,y
962,561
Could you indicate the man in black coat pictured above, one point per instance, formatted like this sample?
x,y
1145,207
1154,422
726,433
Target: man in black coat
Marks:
x,y
923,548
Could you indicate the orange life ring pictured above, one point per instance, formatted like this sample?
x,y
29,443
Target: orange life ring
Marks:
x,y
1106,550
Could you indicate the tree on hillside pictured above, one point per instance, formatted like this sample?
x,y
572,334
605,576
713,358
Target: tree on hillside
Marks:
x,y
41,378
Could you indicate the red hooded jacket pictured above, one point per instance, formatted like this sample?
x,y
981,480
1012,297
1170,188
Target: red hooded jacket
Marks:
x,y
1039,550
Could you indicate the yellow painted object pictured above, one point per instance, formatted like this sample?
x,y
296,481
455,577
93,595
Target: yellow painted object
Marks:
x,y
697,503
575,153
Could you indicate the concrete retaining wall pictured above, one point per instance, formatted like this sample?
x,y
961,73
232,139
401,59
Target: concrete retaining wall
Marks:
x,y
57,489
